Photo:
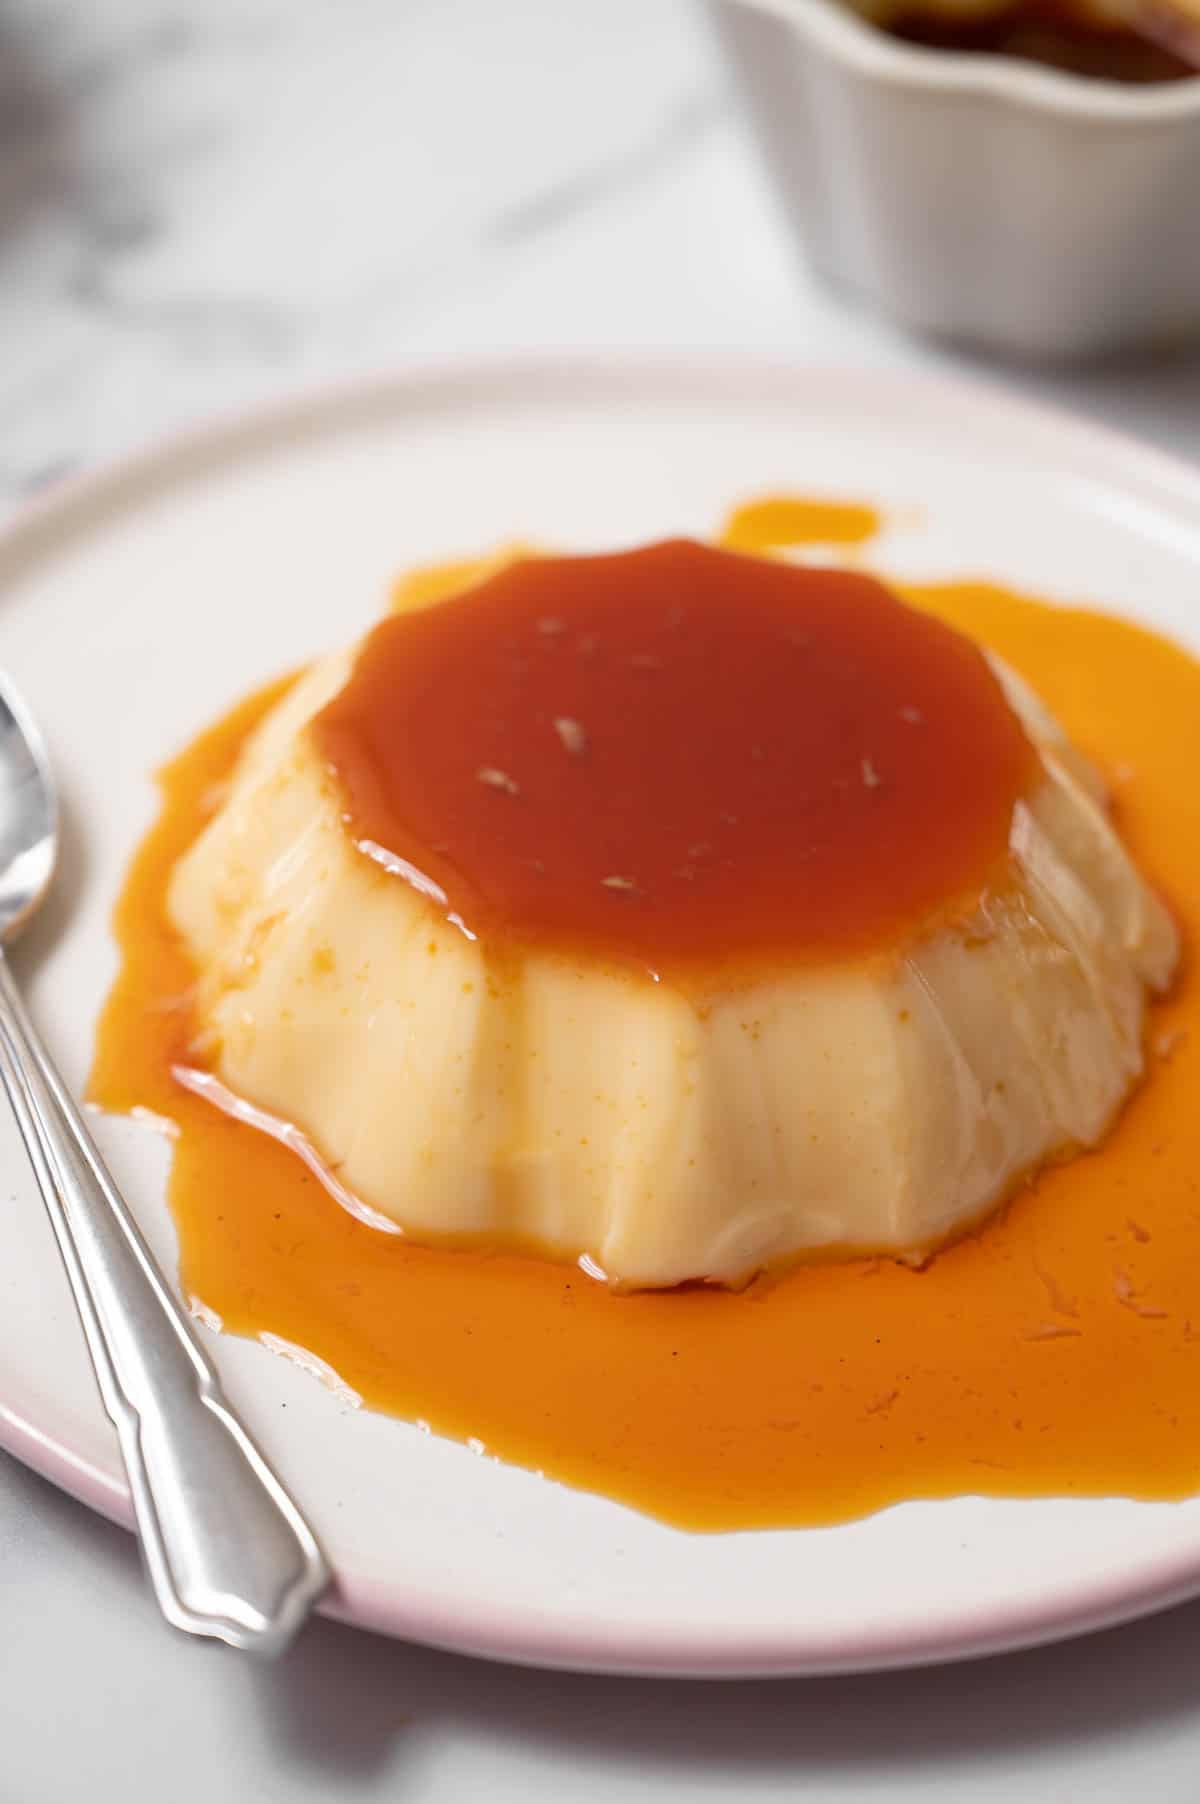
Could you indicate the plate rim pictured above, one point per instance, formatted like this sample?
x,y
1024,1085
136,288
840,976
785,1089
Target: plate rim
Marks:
x,y
1076,444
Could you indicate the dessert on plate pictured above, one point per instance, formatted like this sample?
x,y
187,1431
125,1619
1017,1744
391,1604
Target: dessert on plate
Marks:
x,y
674,910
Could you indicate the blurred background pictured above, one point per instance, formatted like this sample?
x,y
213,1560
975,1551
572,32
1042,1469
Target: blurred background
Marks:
x,y
201,205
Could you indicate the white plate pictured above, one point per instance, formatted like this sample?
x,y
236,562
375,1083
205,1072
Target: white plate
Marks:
x,y
138,605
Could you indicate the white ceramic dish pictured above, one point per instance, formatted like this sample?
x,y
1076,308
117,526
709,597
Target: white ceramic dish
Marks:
x,y
975,196
138,604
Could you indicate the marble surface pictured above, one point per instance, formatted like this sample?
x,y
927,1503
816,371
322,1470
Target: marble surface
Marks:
x,y
199,207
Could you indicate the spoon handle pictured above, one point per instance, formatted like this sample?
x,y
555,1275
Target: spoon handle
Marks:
x,y
228,1552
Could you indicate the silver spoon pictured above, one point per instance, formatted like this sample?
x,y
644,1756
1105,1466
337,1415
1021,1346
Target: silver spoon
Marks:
x,y
228,1552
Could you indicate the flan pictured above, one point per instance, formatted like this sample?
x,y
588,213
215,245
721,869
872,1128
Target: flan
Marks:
x,y
675,911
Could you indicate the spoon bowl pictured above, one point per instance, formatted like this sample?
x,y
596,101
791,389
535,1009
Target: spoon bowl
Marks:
x,y
28,815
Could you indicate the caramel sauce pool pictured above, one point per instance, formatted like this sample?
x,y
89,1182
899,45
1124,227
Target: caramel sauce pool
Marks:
x,y
668,756
1055,1353
772,521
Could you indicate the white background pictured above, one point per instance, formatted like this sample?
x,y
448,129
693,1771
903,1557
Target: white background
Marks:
x,y
201,205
